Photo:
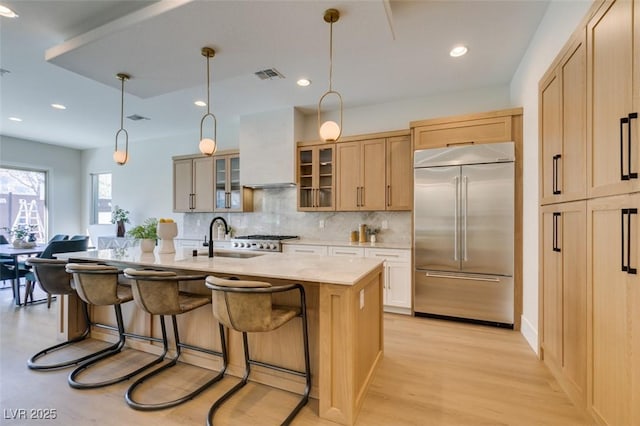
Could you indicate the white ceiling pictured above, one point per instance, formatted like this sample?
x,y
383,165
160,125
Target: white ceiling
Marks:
x,y
69,52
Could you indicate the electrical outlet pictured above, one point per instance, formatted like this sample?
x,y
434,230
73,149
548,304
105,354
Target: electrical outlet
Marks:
x,y
321,224
362,299
385,224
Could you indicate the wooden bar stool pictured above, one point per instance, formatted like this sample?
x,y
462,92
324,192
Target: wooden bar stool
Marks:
x,y
56,281
98,285
158,293
246,306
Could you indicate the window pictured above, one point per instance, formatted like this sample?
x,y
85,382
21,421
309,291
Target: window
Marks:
x,y
23,201
101,198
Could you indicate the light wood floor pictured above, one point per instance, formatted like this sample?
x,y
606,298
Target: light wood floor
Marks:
x,y
433,373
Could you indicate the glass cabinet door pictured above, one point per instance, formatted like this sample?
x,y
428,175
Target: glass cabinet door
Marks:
x,y
234,200
316,177
221,183
324,197
305,173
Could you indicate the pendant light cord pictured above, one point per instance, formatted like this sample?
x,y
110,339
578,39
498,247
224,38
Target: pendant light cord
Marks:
x,y
330,56
208,86
122,103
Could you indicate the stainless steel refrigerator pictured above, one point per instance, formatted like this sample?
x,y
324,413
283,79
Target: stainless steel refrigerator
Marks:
x,y
464,232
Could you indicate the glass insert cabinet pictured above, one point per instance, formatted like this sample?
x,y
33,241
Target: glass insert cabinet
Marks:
x,y
316,177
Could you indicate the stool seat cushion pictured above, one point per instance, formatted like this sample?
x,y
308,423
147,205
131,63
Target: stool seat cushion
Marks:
x,y
98,284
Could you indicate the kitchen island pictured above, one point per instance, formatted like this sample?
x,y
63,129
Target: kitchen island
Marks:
x,y
344,308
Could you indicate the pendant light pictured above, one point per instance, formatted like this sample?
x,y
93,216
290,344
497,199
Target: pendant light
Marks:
x,y
121,157
329,130
207,145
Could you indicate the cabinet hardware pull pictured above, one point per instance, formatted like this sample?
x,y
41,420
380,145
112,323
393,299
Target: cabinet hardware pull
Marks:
x,y
632,116
388,195
623,121
460,277
455,218
627,268
362,196
556,157
556,215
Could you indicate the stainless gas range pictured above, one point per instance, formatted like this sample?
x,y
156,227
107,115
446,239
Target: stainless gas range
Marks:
x,y
270,243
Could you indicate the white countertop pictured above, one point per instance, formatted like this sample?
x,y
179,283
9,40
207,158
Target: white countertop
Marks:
x,y
339,243
312,268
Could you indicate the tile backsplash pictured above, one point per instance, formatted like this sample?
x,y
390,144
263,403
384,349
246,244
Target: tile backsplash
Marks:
x,y
275,212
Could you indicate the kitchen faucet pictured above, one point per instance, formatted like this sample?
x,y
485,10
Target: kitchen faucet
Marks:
x,y
226,231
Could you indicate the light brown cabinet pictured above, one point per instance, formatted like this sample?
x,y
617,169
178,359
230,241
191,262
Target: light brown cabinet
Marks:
x,y
563,127
230,195
399,194
438,133
360,175
607,41
563,294
193,184
316,177
614,94
614,324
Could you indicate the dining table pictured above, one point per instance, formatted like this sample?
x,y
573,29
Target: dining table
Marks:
x,y
8,250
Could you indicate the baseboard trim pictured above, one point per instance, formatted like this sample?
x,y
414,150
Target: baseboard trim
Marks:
x,y
530,333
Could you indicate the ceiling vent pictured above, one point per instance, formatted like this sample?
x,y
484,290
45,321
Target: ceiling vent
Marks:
x,y
136,117
268,74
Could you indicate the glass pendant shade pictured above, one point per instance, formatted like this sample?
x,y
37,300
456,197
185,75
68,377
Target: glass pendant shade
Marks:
x,y
120,157
329,131
207,146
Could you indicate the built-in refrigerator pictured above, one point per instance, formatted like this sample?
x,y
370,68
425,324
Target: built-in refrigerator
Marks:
x,y
464,232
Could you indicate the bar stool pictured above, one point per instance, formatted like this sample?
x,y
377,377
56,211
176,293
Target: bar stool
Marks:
x,y
246,306
98,285
55,280
158,293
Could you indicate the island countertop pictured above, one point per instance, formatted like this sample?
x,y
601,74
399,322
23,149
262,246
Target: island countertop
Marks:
x,y
325,269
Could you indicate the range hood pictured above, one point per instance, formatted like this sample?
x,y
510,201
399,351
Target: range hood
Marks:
x,y
267,144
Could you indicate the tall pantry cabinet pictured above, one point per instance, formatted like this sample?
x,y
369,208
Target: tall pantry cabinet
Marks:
x,y
589,196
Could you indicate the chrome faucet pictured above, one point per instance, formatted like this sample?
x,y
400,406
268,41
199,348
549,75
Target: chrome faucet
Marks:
x,y
226,231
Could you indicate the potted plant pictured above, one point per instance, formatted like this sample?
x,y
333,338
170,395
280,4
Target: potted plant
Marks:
x,y
146,233
119,216
21,234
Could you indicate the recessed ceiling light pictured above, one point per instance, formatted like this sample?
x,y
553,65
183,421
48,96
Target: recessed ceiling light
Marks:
x,y
58,106
303,82
15,119
200,103
7,13
458,51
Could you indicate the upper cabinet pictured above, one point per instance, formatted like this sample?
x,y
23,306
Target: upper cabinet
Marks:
x,y
399,190
614,92
206,184
316,177
562,118
485,128
192,184
367,172
230,195
360,177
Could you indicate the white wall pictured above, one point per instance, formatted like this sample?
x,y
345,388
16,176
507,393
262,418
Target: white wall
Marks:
x,y
559,22
65,179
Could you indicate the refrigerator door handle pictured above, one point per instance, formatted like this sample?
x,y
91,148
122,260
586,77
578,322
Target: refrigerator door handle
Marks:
x,y
456,181
465,200
460,277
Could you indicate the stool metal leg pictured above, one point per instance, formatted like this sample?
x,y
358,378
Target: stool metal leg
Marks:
x,y
161,405
113,350
32,362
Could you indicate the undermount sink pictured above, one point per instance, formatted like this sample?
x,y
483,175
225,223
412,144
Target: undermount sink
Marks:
x,y
233,254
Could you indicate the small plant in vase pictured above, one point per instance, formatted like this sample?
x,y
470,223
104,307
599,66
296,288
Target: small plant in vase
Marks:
x,y
146,233
120,217
21,234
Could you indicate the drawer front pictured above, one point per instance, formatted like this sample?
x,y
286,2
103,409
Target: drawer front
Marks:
x,y
346,251
393,255
304,249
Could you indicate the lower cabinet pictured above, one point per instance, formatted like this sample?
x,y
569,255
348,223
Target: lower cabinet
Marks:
x,y
563,295
397,270
397,278
614,305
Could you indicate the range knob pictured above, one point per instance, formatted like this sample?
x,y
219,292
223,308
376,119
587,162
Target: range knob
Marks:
x,y
261,246
235,244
